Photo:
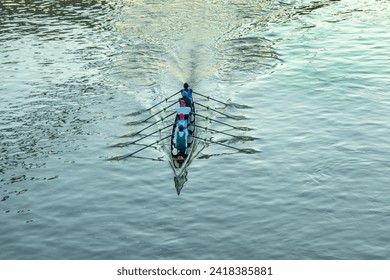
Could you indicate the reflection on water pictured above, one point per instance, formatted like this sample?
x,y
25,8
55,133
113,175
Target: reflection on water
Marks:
x,y
49,54
180,181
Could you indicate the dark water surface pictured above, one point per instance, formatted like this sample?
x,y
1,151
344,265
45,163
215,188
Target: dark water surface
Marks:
x,y
312,79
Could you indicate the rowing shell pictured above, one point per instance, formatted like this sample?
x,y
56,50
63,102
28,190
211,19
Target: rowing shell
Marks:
x,y
179,161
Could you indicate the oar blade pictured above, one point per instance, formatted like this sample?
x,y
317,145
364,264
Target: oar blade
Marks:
x,y
240,106
136,123
228,103
136,113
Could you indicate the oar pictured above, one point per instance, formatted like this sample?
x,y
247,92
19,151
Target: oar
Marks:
x,y
226,104
226,115
247,151
217,131
132,154
150,158
145,120
145,128
139,139
140,112
208,97
239,138
232,126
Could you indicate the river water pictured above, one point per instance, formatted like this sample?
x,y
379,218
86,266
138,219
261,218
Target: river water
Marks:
x,y
312,82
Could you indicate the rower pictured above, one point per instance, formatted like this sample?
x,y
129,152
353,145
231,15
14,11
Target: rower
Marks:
x,y
181,140
187,90
188,101
182,122
183,109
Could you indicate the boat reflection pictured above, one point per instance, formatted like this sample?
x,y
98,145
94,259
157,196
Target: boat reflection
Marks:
x,y
180,180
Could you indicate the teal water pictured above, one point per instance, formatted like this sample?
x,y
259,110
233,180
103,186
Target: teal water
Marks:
x,y
313,82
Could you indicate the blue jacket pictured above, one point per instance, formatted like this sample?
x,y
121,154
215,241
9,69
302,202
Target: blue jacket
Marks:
x,y
189,92
187,100
181,140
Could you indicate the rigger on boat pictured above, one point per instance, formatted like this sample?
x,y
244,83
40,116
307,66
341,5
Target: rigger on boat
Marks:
x,y
183,130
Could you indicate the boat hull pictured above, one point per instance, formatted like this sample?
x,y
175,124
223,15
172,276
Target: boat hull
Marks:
x,y
180,159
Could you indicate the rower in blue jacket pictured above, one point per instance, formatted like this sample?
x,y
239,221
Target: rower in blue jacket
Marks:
x,y
187,90
186,99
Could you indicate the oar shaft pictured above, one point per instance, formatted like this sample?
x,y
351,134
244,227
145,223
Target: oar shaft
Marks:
x,y
166,99
132,154
159,112
228,146
155,105
145,128
208,108
217,131
219,143
207,118
154,132
154,143
208,97
143,137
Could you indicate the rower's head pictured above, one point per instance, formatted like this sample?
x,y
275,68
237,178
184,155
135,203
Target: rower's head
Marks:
x,y
182,103
181,128
185,85
181,116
